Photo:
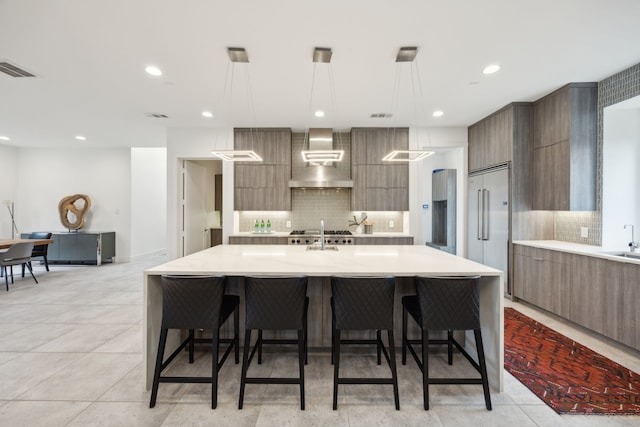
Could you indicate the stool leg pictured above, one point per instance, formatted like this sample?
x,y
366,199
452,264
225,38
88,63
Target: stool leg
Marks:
x,y
301,361
425,368
483,368
404,335
215,347
236,333
336,366
306,332
378,344
245,363
259,346
156,375
394,372
191,344
450,347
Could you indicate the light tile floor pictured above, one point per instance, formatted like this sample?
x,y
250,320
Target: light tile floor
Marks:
x,y
70,354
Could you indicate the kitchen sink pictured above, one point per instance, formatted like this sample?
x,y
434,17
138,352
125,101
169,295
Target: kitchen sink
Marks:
x,y
632,255
319,248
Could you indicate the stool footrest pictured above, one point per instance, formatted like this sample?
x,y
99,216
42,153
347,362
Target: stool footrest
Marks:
x,y
365,380
185,379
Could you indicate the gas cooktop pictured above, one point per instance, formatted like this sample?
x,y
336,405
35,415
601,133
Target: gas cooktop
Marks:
x,y
317,233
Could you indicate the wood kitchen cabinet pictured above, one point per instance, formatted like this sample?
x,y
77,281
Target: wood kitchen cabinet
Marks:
x,y
258,240
263,186
541,277
564,154
378,185
597,293
491,139
394,240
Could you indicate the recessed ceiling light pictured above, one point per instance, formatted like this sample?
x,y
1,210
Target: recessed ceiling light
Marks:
x,y
207,114
438,113
490,69
81,138
319,113
5,138
153,70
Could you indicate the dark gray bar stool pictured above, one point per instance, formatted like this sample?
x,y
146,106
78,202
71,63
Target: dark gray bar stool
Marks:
x,y
274,303
451,304
363,303
195,302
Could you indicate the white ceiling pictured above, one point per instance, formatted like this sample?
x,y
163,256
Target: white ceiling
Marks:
x,y
90,56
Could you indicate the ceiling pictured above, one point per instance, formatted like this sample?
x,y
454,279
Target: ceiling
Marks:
x,y
89,57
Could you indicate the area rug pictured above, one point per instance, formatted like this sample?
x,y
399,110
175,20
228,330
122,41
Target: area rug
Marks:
x,y
567,376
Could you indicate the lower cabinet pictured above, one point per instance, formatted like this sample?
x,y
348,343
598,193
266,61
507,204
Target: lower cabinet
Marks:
x,y
396,240
248,240
82,247
593,292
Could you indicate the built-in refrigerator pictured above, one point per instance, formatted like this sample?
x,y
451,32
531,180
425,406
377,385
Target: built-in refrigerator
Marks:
x,y
488,219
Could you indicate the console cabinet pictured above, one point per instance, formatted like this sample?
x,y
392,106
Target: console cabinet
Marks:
x,y
82,247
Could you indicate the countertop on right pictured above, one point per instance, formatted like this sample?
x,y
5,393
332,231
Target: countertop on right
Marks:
x,y
581,249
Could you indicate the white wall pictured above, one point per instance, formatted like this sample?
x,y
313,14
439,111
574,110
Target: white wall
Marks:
x,y
450,145
8,187
196,144
47,175
620,177
148,200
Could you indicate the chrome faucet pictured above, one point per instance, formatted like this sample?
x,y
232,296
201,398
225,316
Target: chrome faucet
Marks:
x,y
322,234
632,244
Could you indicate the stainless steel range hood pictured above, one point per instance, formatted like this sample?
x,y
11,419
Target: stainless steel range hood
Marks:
x,y
327,175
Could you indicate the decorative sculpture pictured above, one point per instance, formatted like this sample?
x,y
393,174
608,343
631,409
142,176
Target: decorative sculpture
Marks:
x,y
73,210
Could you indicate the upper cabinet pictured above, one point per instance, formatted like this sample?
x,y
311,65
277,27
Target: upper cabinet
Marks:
x,y
378,185
491,139
564,154
263,186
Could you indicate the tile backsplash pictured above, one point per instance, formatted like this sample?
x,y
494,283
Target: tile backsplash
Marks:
x,y
568,225
311,205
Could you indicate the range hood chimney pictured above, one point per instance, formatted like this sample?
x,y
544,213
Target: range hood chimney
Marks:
x,y
325,175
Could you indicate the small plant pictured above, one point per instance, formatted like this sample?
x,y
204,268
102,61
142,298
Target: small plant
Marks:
x,y
355,222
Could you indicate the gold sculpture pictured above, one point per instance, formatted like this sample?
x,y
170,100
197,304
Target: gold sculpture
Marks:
x,y
73,209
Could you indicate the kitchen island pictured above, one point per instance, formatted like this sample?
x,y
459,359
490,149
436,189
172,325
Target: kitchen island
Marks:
x,y
403,262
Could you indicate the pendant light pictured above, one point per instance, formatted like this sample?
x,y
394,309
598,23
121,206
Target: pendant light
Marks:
x,y
321,55
238,55
407,54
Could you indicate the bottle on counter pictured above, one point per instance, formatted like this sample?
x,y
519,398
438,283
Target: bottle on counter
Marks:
x,y
262,225
256,226
268,225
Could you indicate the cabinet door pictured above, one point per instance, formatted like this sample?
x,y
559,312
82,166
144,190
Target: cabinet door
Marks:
x,y
477,146
589,295
551,172
628,328
498,137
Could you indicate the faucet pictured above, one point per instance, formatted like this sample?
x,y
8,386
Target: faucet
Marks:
x,y
322,234
632,244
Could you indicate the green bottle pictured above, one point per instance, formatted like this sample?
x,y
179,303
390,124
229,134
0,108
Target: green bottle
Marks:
x,y
256,226
262,225
268,226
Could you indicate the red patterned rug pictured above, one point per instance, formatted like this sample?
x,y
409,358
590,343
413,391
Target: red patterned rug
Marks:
x,y
567,376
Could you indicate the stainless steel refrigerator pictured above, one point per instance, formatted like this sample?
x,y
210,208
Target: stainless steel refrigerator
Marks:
x,y
488,219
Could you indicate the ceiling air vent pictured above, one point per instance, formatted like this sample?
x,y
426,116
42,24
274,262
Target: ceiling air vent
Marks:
x,y
13,71
381,115
157,116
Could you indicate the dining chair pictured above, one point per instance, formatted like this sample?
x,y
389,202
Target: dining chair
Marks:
x,y
17,254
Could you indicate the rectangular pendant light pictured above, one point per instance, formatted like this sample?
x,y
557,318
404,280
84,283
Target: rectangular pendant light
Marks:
x,y
237,155
320,156
406,155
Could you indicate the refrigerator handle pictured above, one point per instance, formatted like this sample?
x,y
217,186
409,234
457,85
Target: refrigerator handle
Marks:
x,y
479,211
485,214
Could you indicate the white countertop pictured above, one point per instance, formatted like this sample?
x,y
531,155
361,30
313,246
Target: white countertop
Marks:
x,y
363,260
254,234
579,249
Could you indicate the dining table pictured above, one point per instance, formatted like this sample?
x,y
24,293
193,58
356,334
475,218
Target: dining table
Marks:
x,y
7,243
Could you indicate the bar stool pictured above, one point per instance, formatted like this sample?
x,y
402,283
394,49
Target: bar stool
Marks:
x,y
274,303
451,304
363,303
195,302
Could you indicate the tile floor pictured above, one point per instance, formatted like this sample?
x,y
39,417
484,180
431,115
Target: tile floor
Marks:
x,y
70,354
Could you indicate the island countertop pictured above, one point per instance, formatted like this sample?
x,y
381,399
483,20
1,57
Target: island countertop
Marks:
x,y
402,261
